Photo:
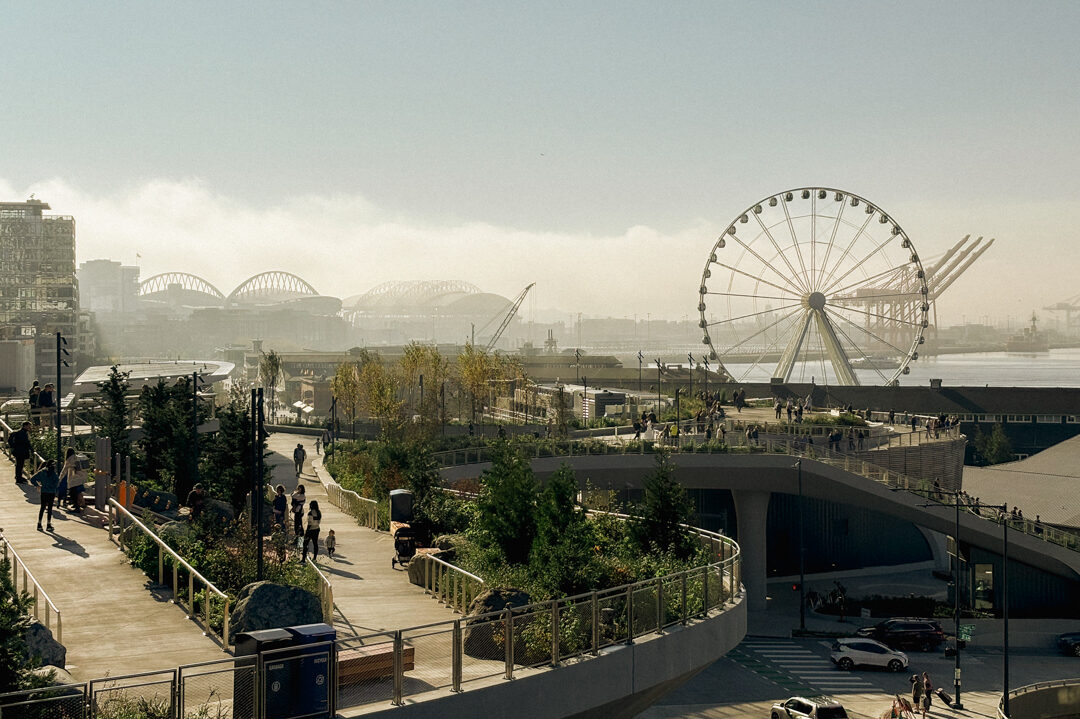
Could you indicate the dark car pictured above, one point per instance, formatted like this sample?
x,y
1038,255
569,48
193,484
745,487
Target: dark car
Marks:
x,y
1069,643
922,634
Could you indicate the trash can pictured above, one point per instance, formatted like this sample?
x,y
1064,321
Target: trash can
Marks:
x,y
401,505
313,687
275,683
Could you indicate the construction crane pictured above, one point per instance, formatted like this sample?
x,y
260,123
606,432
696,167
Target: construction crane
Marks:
x,y
1068,306
509,317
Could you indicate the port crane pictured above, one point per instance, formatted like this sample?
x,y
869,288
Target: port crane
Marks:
x,y
515,306
1068,306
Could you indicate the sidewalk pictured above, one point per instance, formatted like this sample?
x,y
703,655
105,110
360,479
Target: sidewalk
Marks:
x,y
112,623
369,595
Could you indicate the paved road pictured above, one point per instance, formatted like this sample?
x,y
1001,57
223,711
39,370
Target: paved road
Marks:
x,y
369,595
114,621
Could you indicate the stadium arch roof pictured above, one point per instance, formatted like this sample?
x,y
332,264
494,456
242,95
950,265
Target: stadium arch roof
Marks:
x,y
194,289
271,287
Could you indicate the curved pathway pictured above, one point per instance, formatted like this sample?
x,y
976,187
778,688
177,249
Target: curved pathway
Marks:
x,y
369,596
112,623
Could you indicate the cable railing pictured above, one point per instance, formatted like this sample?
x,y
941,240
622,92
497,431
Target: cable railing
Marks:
x,y
31,586
325,592
739,443
364,510
123,520
1037,687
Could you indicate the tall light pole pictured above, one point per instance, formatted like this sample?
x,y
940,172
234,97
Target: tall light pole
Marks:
x,y
640,359
802,553
705,363
60,363
690,391
1005,608
658,370
678,416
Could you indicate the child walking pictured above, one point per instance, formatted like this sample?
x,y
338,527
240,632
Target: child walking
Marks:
x,y
331,543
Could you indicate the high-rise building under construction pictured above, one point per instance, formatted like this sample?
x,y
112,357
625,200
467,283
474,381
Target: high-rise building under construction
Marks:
x,y
38,291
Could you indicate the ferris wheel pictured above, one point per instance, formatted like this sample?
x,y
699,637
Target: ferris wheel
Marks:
x,y
814,283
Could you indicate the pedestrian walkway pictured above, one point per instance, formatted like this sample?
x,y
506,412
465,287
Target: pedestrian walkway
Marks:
x,y
815,673
369,595
112,623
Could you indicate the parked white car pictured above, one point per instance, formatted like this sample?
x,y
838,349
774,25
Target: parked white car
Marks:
x,y
859,652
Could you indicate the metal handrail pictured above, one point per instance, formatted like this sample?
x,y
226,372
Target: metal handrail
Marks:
x,y
116,510
326,593
449,583
1038,686
28,579
364,510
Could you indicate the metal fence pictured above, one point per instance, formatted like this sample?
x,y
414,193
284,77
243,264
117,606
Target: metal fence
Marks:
x,y
451,585
390,667
52,618
122,523
326,593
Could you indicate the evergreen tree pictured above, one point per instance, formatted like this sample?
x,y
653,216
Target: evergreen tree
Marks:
x,y
506,506
225,459
115,417
564,539
15,608
657,525
993,448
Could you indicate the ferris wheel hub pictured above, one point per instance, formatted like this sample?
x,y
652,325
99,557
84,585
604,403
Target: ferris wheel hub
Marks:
x,y
815,301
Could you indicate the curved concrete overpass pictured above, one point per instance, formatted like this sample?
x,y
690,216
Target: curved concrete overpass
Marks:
x,y
752,478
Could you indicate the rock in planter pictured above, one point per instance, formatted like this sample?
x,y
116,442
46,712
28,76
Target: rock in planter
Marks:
x,y
220,509
266,605
42,647
173,531
484,638
57,678
448,542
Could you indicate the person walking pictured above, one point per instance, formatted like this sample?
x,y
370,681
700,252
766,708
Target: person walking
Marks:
x,y
48,480
21,449
298,499
314,518
928,693
299,455
75,475
47,404
318,445
281,503
331,544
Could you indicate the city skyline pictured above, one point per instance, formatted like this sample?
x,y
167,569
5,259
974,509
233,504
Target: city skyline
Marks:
x,y
597,152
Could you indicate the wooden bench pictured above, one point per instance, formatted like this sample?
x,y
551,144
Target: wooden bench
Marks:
x,y
375,661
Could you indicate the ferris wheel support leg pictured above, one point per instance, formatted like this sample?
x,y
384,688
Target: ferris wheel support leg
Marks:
x,y
791,352
844,374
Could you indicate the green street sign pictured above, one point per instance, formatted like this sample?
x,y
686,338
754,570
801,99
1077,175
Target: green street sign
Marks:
x,y
966,630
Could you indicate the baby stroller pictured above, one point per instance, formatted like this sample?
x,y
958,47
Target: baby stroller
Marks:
x,y
404,546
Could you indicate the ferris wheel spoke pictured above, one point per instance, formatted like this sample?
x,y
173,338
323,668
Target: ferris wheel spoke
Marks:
x,y
754,314
864,330
764,329
858,264
867,313
789,298
845,253
795,241
757,279
768,264
898,270
813,238
862,298
832,242
774,344
857,348
776,246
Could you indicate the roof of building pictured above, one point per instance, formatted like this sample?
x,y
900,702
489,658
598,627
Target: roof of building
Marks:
x,y
145,372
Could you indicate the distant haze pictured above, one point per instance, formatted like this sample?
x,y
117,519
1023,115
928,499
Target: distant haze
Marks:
x,y
596,150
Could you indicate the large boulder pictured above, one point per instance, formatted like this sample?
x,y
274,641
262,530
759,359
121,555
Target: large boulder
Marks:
x,y
42,647
174,532
266,605
222,510
485,638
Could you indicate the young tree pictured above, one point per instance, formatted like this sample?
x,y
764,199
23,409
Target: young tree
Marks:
x,y
993,448
115,416
15,608
657,524
345,386
380,392
270,374
475,368
564,539
506,507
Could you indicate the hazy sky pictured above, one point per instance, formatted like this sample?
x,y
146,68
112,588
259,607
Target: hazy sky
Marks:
x,y
593,148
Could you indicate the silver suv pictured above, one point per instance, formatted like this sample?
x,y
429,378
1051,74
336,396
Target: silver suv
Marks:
x,y
816,708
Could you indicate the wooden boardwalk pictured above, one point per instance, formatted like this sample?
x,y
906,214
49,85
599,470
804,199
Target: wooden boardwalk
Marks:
x,y
369,595
112,623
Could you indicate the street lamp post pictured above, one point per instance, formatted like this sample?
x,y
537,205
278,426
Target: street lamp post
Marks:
x,y
640,359
678,416
690,391
1005,608
705,364
802,553
60,363
658,371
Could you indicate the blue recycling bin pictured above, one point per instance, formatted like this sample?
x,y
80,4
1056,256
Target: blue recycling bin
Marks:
x,y
313,690
276,680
